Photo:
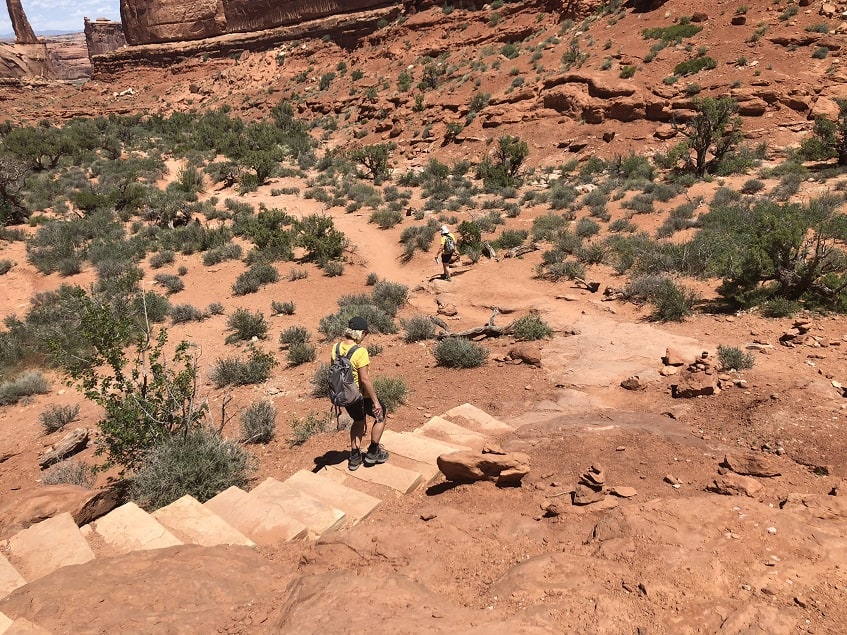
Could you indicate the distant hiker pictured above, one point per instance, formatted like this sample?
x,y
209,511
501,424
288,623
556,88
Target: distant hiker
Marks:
x,y
447,250
359,400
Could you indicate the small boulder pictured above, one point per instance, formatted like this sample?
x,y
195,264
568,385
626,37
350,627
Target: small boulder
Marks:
x,y
585,495
633,383
527,353
623,492
694,384
735,485
751,464
467,466
673,358
699,16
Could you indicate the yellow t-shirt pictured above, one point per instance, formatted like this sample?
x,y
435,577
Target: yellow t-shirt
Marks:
x,y
360,358
444,240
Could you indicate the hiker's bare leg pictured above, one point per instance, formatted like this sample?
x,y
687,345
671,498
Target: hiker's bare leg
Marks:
x,y
357,432
376,430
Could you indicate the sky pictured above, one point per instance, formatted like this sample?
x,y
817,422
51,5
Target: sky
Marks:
x,y
61,15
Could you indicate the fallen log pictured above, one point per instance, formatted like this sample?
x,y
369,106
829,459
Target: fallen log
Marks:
x,y
487,330
514,252
72,443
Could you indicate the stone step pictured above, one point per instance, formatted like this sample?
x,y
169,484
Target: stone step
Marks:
x,y
443,430
23,626
129,528
316,515
477,419
400,479
267,525
194,524
355,505
49,545
5,620
10,579
417,447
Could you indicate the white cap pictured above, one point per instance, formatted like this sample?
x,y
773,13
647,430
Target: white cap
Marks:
x,y
444,229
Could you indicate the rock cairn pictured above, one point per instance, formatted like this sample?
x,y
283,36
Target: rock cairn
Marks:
x,y
800,335
590,487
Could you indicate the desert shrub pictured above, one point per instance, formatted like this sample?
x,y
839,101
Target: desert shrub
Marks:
x,y
317,234
640,204
162,258
217,255
594,253
566,269
172,283
512,238
586,227
752,186
24,385
372,279
320,380
733,358
779,308
215,308
390,296
246,325
235,371
251,281
694,65
333,268
200,463
301,353
622,225
258,422
456,352
294,334
417,238
304,429
546,227
282,308
297,274
6,266
820,53
69,472
674,33
532,327
391,392
54,418
418,327
182,313
151,305
386,218
672,302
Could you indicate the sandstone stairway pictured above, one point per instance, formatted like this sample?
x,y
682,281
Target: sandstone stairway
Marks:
x,y
306,505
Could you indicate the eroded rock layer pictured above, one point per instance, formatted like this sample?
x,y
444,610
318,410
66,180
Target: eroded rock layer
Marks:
x,y
160,21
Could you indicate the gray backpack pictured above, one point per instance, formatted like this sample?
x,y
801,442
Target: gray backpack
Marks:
x,y
343,390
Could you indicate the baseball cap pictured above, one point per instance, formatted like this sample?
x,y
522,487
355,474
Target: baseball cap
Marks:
x,y
358,324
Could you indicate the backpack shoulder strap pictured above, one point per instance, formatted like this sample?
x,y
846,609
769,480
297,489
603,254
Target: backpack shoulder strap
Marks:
x,y
338,349
352,350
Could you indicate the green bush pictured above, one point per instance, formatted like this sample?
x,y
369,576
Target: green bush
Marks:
x,y
304,429
333,269
297,274
390,296
217,255
162,258
6,266
172,283
24,385
282,308
246,325
54,418
372,279
391,392
69,472
320,380
215,308
779,308
732,358
694,65
456,352
235,371
672,302
820,53
510,238
418,328
252,280
674,33
532,327
294,334
182,313
258,422
301,353
586,227
199,463
386,218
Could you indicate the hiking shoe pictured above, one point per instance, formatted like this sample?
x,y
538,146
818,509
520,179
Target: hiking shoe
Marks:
x,y
354,461
380,455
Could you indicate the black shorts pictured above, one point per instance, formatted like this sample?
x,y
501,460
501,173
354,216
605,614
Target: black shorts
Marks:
x,y
363,407
447,258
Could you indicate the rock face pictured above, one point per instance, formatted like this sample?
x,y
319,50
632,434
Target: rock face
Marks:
x,y
468,466
159,21
23,31
83,504
103,36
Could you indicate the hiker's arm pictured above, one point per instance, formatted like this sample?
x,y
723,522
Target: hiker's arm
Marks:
x,y
368,387
440,248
